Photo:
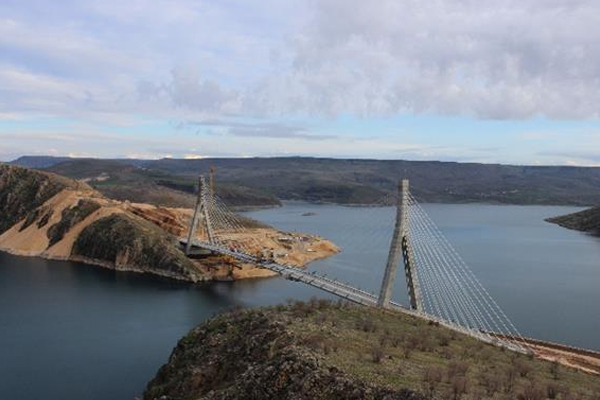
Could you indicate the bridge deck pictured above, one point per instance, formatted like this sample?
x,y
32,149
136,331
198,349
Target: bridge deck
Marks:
x,y
344,290
291,272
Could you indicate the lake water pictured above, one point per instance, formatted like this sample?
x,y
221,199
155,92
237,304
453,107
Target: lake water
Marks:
x,y
70,331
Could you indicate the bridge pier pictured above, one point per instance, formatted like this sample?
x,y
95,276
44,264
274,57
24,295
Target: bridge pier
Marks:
x,y
200,212
400,247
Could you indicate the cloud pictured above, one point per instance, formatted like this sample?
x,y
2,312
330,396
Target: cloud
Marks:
x,y
500,60
586,158
503,60
261,129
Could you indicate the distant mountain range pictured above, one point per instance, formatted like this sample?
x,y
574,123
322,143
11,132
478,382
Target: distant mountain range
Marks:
x,y
265,181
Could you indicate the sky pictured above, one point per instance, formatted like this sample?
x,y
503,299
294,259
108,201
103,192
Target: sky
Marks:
x,y
504,81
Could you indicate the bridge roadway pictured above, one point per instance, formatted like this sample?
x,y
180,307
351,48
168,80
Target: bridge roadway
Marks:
x,y
333,286
347,292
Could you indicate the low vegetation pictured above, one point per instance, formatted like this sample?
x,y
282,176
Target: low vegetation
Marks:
x,y
379,355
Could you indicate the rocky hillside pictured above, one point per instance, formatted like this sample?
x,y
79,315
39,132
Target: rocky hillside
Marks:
x,y
22,192
585,221
46,215
322,350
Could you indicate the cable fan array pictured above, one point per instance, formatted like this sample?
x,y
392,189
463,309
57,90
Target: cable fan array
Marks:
x,y
450,291
229,229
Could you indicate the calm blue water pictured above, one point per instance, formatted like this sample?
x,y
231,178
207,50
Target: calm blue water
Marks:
x,y
70,331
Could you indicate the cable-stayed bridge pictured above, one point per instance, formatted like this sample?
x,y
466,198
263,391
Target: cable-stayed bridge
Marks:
x,y
440,285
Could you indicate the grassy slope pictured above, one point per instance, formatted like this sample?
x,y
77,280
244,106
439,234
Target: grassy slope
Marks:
x,y
411,348
382,350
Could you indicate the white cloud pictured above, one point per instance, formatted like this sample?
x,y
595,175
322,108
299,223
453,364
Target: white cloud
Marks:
x,y
502,59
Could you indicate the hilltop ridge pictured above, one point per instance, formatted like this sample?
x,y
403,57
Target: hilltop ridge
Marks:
x,y
362,181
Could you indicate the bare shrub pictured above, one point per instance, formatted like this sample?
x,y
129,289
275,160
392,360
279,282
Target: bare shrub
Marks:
x,y
384,340
300,309
443,339
446,352
491,382
321,318
456,368
367,325
425,343
510,375
333,319
412,341
377,354
552,390
523,368
532,391
314,341
485,354
554,370
432,377
458,386
477,394
323,304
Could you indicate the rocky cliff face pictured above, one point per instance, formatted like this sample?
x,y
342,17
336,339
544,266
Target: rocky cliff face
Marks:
x,y
585,221
22,192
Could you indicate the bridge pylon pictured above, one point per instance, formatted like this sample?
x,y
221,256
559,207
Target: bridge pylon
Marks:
x,y
401,246
201,215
